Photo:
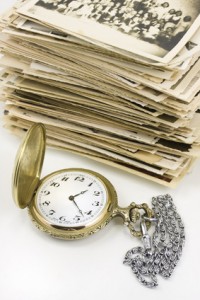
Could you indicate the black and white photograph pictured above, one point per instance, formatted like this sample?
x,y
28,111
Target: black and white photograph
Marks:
x,y
150,28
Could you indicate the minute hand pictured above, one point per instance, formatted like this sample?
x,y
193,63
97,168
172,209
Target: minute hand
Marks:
x,y
78,207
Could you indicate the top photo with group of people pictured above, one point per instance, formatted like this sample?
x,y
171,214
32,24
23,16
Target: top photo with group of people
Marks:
x,y
162,23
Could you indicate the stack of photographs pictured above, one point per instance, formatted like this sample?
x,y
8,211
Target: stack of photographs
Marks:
x,y
114,80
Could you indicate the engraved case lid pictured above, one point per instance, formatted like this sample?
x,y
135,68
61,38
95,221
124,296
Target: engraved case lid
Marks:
x,y
28,165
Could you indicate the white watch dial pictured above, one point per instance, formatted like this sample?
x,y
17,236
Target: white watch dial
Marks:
x,y
71,198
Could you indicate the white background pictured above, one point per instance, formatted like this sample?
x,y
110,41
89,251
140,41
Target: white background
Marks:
x,y
35,266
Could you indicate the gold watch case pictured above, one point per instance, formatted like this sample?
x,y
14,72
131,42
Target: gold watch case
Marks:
x,y
28,165
26,182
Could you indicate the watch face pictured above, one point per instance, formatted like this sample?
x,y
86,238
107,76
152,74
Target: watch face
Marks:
x,y
71,198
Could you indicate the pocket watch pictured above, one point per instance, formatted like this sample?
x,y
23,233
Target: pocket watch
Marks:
x,y
74,203
70,203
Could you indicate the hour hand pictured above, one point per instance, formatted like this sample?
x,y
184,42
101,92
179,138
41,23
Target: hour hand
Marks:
x,y
81,193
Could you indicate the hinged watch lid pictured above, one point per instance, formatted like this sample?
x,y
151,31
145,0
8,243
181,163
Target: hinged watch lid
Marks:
x,y
28,165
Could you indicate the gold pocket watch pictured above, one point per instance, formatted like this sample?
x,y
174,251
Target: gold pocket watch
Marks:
x,y
75,203
70,203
